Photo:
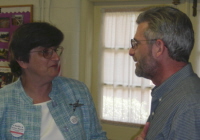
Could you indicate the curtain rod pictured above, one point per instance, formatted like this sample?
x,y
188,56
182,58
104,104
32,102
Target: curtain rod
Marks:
x,y
130,9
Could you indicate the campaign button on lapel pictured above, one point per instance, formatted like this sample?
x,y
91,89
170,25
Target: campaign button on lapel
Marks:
x,y
17,130
74,119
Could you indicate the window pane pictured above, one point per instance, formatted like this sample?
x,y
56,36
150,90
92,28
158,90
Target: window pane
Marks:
x,y
123,104
119,29
119,69
126,97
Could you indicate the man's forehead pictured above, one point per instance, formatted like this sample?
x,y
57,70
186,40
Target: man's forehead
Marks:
x,y
141,29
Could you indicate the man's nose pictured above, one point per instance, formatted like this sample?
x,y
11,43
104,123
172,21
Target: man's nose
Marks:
x,y
131,51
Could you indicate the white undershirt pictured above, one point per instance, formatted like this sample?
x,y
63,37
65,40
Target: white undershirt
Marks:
x,y
49,129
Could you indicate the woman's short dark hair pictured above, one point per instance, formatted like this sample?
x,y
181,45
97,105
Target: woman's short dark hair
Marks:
x,y
29,36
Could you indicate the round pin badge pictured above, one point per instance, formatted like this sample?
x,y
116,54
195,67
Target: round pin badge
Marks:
x,y
17,130
74,119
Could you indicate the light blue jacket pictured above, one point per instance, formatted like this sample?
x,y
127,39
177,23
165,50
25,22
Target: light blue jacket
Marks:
x,y
17,107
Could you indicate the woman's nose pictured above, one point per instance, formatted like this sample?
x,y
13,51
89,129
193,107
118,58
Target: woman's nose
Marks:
x,y
55,56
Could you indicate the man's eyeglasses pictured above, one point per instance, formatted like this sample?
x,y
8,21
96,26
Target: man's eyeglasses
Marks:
x,y
48,52
134,43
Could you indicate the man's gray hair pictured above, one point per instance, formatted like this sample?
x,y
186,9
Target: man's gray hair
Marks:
x,y
173,27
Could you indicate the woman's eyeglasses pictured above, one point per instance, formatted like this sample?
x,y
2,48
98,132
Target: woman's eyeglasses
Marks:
x,y
48,52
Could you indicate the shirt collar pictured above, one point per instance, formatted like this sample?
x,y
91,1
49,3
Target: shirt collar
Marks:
x,y
171,82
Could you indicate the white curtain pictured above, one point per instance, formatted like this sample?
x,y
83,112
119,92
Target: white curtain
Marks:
x,y
125,97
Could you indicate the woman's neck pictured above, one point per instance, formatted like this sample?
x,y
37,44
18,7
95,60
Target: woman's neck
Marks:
x,y
38,91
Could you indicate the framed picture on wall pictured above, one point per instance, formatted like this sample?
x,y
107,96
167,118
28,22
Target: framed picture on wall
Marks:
x,y
11,17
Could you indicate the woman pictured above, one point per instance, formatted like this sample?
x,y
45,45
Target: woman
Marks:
x,y
40,104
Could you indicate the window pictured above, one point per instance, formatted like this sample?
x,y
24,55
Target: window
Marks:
x,y
125,97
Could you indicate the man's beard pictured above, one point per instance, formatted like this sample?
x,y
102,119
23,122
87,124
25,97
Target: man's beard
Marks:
x,y
146,67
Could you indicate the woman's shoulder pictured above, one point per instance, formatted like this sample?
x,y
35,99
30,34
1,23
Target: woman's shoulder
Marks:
x,y
12,86
9,91
67,81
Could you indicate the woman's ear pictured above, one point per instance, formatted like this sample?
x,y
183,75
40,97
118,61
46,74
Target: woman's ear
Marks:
x,y
22,64
158,48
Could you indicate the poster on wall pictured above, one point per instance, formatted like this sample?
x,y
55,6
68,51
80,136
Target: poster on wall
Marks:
x,y
11,17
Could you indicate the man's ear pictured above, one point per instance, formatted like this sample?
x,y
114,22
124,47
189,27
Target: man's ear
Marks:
x,y
22,64
158,48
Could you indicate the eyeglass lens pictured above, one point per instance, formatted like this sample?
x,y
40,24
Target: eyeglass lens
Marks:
x,y
47,53
133,43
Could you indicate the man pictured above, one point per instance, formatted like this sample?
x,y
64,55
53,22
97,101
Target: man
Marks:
x,y
161,48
